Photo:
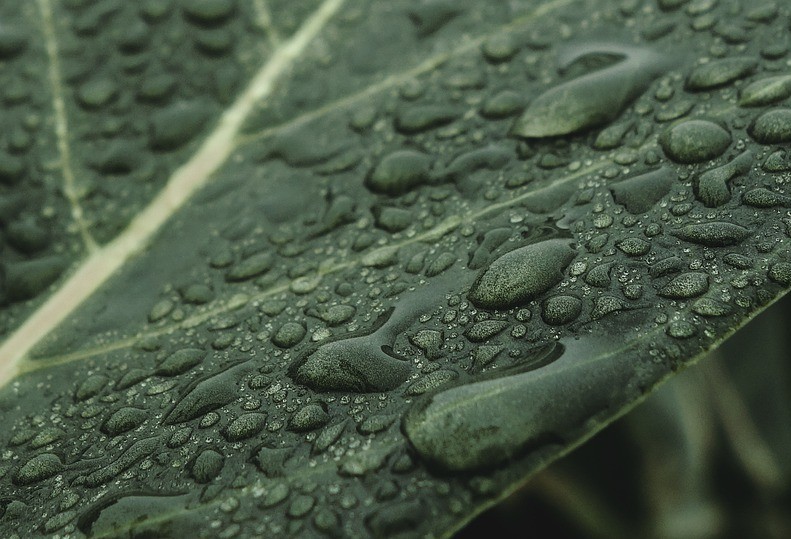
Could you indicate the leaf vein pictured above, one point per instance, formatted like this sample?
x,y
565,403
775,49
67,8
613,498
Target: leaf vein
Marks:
x,y
62,124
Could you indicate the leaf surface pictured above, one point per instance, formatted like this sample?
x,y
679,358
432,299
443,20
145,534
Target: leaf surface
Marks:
x,y
346,268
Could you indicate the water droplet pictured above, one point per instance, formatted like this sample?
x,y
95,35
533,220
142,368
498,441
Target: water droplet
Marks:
x,y
780,273
681,329
431,381
207,395
26,279
441,263
604,305
245,426
309,417
327,522
176,125
124,419
502,105
59,521
180,437
251,266
492,239
599,276
13,41
713,234
485,330
362,463
290,334
591,100
356,364
711,307
90,387
328,436
559,310
634,246
417,119
275,495
376,423
132,377
772,127
711,187
431,16
490,157
47,436
399,172
429,341
398,519
686,285
641,193
480,425
762,197
693,141
270,460
208,12
135,453
521,275
38,468
160,310
766,91
392,219
738,261
97,93
300,506
207,465
180,361
720,72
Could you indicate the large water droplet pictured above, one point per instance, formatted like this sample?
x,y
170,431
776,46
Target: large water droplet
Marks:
x,y
591,100
522,275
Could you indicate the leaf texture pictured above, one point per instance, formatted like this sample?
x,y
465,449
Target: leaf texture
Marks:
x,y
350,268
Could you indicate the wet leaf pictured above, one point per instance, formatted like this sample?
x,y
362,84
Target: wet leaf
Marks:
x,y
356,268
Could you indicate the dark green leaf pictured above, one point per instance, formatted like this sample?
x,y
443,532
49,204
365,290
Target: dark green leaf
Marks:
x,y
346,268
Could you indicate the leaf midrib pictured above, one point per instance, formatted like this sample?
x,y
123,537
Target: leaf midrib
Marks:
x,y
183,183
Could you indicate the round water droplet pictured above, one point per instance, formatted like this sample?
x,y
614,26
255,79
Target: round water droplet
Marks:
x,y
693,141
399,172
559,310
781,273
97,93
176,125
772,127
290,334
38,468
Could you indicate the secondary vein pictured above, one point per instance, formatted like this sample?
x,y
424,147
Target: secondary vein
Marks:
x,y
62,124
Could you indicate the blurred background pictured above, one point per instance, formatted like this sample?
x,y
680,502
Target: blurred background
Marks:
x,y
708,455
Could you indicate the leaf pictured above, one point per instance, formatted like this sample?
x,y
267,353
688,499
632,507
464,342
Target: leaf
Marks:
x,y
277,268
